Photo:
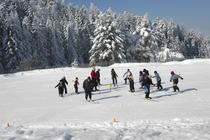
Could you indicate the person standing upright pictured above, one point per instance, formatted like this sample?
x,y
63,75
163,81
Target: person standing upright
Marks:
x,y
87,85
64,82
175,79
158,79
98,80
114,77
126,74
94,79
76,83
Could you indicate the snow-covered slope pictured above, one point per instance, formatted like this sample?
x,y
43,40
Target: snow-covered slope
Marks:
x,y
31,107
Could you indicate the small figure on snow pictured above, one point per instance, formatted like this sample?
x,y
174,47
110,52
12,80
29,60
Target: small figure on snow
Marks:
x,y
131,83
87,85
76,83
140,79
158,79
94,79
114,77
64,82
126,74
60,88
147,81
98,80
175,79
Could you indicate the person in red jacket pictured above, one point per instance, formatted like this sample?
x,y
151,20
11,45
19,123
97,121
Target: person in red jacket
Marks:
x,y
94,79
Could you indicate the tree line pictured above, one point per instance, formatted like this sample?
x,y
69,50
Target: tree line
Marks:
x,y
50,33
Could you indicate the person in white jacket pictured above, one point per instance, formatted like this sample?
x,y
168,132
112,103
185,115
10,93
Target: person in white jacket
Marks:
x,y
175,79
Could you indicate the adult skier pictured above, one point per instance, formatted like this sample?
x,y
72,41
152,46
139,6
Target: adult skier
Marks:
x,y
175,79
158,79
87,85
64,82
114,77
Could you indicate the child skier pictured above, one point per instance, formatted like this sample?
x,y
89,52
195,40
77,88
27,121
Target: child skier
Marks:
x,y
60,88
158,79
175,79
140,79
114,77
76,83
131,83
126,74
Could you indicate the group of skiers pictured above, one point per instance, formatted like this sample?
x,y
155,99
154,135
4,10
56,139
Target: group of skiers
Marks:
x,y
93,81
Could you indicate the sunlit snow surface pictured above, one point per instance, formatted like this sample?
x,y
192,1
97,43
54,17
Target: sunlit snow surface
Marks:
x,y
30,107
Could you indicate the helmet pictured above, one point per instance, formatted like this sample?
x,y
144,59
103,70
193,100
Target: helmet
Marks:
x,y
172,72
155,71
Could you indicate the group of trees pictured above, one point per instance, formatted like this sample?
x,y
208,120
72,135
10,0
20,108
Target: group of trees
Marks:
x,y
49,33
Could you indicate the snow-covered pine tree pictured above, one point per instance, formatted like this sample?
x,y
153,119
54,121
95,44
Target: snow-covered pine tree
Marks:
x,y
147,46
108,47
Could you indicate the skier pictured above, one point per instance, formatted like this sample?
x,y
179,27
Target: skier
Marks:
x,y
175,79
98,77
87,85
64,82
158,79
126,74
76,83
140,78
114,77
131,83
94,79
60,88
146,83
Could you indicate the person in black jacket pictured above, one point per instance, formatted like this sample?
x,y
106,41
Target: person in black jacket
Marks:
x,y
146,83
60,88
114,77
64,82
87,85
98,77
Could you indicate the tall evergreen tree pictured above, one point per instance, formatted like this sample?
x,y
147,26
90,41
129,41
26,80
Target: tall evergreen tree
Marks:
x,y
108,47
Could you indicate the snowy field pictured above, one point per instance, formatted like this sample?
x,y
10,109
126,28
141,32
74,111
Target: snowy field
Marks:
x,y
30,108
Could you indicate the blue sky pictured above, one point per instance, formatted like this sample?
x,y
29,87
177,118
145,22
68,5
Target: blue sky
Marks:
x,y
193,14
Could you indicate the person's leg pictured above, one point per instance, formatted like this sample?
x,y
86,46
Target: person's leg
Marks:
x,y
65,89
86,95
90,95
115,80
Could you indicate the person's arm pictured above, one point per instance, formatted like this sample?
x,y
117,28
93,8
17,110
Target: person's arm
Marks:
x,y
180,77
57,85
125,74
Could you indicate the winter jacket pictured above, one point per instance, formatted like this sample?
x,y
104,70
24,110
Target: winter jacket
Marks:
x,y
146,80
93,75
175,78
127,74
64,82
157,76
87,85
113,73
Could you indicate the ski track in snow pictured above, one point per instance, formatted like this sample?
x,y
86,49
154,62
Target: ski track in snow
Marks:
x,y
30,108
